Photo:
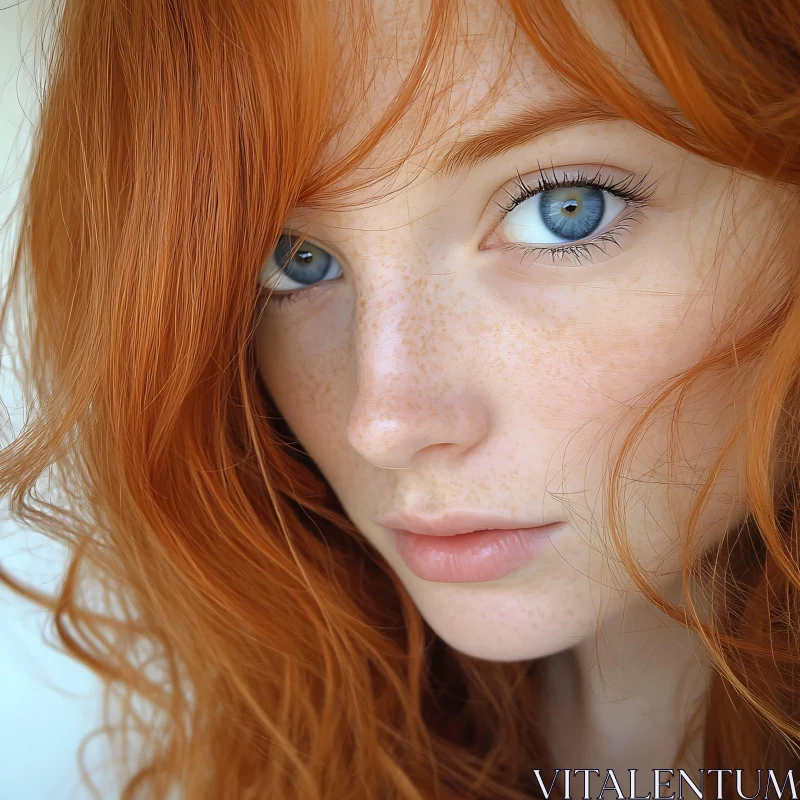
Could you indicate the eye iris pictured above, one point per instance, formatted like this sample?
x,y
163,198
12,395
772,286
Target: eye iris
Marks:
x,y
309,264
572,212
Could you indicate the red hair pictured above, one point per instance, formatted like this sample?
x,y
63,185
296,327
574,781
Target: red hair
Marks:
x,y
281,656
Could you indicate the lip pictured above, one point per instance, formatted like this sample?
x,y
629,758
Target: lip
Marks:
x,y
455,549
455,523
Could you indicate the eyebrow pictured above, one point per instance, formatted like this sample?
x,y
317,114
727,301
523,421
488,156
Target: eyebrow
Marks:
x,y
529,124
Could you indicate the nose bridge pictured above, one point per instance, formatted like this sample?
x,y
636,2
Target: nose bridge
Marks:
x,y
403,327
405,292
410,392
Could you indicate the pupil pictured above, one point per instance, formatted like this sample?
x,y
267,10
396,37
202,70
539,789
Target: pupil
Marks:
x,y
570,206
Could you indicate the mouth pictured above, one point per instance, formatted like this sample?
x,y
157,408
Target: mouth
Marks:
x,y
475,556
456,523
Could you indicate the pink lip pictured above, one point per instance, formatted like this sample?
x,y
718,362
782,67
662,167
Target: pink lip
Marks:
x,y
455,523
478,556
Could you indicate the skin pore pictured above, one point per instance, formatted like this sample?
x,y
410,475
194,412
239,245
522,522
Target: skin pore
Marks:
x,y
435,372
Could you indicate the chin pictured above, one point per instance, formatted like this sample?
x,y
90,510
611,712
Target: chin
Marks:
x,y
502,648
505,630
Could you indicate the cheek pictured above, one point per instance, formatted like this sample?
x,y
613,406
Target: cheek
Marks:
x,y
305,371
595,356
584,353
625,351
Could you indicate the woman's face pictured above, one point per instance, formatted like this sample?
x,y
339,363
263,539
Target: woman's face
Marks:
x,y
430,369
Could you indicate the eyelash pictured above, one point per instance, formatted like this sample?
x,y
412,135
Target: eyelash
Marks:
x,y
635,193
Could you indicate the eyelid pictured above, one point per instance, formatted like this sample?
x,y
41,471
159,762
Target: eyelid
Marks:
x,y
317,242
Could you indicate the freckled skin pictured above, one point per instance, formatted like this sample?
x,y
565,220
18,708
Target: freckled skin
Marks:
x,y
433,375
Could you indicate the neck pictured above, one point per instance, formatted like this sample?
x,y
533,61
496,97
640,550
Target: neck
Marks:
x,y
624,698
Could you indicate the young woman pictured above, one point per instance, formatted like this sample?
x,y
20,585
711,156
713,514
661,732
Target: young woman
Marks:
x,y
419,385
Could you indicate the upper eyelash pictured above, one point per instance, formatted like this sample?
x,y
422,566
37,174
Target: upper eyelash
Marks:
x,y
637,193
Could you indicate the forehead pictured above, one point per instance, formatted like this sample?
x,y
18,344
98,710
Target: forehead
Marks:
x,y
482,66
482,71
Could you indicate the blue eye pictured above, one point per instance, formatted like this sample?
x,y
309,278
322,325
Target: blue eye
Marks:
x,y
563,214
310,264
572,213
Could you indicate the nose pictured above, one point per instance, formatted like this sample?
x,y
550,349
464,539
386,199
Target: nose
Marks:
x,y
415,392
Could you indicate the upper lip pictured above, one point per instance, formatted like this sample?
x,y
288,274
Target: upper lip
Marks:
x,y
454,523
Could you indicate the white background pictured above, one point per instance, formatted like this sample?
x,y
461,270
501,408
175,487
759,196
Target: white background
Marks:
x,y
48,702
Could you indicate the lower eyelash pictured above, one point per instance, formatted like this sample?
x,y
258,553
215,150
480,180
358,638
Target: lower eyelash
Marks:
x,y
295,296
280,299
581,250
576,251
274,299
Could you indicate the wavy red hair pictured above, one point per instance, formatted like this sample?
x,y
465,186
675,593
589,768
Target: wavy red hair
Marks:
x,y
280,657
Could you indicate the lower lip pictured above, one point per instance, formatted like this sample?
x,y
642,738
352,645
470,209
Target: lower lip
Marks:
x,y
470,557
